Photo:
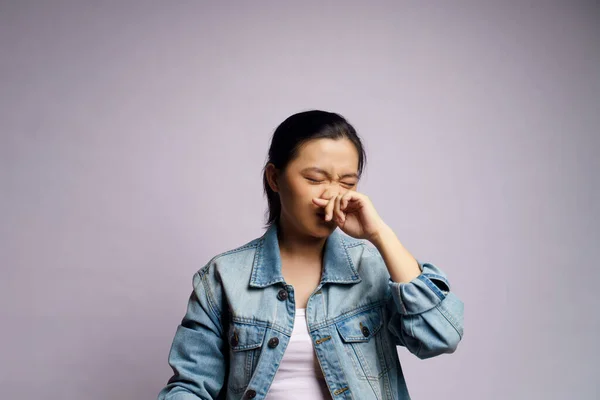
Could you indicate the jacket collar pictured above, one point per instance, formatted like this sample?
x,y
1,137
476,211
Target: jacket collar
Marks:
x,y
337,264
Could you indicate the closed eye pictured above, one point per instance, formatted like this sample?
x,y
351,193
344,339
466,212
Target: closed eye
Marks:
x,y
345,183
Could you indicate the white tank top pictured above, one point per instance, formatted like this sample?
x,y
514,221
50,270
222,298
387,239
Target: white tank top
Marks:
x,y
299,375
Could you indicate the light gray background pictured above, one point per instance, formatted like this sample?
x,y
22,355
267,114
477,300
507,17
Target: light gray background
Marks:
x,y
133,134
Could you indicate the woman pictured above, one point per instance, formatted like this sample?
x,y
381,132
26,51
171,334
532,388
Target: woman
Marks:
x,y
316,307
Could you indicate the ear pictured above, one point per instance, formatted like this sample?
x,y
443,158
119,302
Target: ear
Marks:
x,y
272,175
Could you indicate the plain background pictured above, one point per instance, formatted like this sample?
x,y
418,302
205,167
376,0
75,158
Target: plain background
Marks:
x,y
133,134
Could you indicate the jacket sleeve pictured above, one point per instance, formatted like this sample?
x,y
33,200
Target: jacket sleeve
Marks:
x,y
426,316
196,354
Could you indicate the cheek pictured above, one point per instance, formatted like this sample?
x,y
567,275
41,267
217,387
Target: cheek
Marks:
x,y
311,192
300,197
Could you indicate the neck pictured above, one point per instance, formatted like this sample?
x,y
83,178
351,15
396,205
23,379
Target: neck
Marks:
x,y
296,245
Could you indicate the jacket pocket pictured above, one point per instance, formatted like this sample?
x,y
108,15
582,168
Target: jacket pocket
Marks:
x,y
366,344
245,343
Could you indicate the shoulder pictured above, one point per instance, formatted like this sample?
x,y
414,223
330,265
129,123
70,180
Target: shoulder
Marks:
x,y
228,262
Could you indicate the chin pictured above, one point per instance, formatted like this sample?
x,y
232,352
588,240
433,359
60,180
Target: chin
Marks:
x,y
322,230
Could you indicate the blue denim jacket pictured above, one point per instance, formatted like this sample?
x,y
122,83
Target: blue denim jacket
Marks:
x,y
240,317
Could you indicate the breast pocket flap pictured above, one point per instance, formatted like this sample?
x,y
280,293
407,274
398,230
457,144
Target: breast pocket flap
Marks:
x,y
244,336
360,327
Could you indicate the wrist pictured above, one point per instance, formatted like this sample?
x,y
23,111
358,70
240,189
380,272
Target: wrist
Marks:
x,y
381,235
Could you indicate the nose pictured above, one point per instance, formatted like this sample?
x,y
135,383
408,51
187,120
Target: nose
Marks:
x,y
333,190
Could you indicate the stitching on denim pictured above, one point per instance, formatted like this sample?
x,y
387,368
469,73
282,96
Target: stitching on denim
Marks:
x,y
269,325
450,318
411,324
334,280
437,277
360,362
401,298
212,304
250,321
206,267
347,314
229,252
432,286
276,280
362,338
349,259
385,346
354,243
257,259
246,246
326,370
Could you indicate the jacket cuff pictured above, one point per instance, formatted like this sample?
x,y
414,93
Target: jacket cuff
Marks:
x,y
422,293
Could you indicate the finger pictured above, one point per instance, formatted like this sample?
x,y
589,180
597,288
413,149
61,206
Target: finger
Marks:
x,y
338,212
323,199
348,197
329,209
344,201
320,202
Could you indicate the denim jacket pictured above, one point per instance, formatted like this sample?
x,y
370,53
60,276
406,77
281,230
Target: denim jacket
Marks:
x,y
240,317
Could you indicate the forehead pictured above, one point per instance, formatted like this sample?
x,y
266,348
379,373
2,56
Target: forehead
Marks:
x,y
330,154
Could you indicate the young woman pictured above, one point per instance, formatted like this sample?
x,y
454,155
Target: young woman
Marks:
x,y
316,307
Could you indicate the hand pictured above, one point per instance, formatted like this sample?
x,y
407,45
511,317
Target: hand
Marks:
x,y
353,212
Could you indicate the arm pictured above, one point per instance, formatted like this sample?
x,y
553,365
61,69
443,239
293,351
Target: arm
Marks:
x,y
426,317
196,354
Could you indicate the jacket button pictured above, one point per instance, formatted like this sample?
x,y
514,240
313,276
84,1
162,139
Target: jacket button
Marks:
x,y
234,340
250,394
273,342
282,295
365,331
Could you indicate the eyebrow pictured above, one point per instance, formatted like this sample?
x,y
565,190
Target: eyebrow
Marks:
x,y
322,171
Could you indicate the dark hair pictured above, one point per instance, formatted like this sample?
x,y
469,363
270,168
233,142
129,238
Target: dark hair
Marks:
x,y
292,133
